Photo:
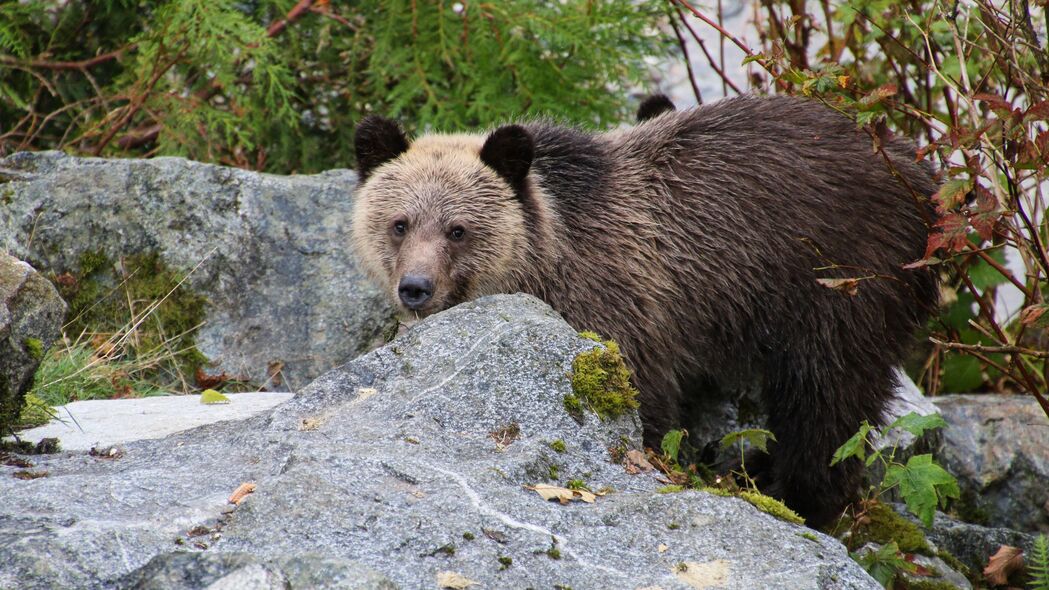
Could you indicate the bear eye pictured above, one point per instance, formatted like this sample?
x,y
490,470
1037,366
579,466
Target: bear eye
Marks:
x,y
400,228
457,233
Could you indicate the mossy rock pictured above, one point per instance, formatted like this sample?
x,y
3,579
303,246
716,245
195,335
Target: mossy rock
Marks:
x,y
111,295
882,525
601,381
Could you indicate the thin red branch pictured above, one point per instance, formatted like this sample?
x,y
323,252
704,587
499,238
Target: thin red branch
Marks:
x,y
302,7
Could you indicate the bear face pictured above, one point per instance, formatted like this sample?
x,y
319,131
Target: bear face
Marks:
x,y
439,221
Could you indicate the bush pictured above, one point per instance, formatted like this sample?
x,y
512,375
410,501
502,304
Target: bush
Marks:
x,y
278,86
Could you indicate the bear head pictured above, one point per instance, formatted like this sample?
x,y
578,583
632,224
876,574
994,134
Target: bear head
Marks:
x,y
441,219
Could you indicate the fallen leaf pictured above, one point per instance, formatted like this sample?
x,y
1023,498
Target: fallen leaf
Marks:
x,y
210,381
847,286
506,435
562,495
455,581
241,492
1002,564
210,397
635,462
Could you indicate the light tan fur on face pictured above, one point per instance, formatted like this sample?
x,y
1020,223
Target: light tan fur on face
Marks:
x,y
440,183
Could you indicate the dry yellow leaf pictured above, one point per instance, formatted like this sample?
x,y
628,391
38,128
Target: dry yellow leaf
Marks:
x,y
562,495
241,492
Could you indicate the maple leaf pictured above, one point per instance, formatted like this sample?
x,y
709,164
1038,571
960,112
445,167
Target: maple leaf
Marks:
x,y
923,484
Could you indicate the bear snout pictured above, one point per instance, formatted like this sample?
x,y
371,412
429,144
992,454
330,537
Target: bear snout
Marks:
x,y
415,291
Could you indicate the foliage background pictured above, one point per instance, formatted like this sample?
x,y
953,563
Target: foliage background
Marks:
x,y
278,85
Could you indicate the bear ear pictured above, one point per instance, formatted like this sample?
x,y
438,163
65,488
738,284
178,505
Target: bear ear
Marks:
x,y
653,106
377,140
509,151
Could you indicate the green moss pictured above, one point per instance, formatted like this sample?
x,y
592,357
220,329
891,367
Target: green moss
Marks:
x,y
469,536
591,336
574,407
883,525
670,489
602,380
809,536
673,526
554,473
953,562
576,484
34,347
553,552
770,505
558,446
505,562
717,491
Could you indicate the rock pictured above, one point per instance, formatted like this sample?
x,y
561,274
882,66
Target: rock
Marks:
x,y
31,314
182,570
83,425
282,287
971,544
412,461
998,448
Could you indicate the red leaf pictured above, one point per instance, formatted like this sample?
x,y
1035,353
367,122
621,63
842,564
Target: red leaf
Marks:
x,y
985,214
1038,112
952,193
952,235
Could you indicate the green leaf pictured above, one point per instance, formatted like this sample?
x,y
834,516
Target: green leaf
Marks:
x,y
757,437
983,275
961,373
855,446
917,424
672,443
923,484
885,563
210,396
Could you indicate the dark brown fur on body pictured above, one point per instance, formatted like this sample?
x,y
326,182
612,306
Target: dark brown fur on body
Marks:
x,y
693,240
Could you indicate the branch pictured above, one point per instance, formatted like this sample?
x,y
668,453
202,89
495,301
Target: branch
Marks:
x,y
66,65
719,28
302,7
684,53
1042,354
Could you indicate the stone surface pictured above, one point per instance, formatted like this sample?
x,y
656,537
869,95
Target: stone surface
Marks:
x,y
971,544
239,571
405,462
31,314
998,448
273,251
80,426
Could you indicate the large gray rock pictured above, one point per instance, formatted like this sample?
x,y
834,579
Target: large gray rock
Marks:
x,y
411,461
277,270
31,314
998,448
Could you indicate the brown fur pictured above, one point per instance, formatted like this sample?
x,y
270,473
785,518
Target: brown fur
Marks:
x,y
694,240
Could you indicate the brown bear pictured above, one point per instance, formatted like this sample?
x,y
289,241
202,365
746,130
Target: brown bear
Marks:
x,y
695,240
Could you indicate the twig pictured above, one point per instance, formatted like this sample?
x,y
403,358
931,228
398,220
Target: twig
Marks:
x,y
703,47
302,7
684,53
718,27
66,65
1042,354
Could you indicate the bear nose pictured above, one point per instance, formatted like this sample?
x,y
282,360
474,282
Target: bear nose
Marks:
x,y
415,291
